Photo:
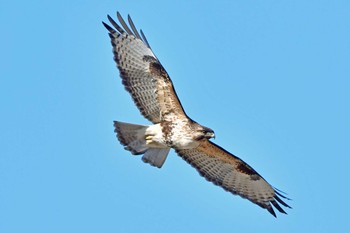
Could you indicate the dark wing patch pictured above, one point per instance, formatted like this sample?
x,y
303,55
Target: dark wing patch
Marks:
x,y
246,169
233,174
142,74
156,68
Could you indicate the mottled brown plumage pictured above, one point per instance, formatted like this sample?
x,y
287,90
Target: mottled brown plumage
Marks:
x,y
153,92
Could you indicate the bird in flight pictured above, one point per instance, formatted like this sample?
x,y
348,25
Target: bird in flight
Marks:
x,y
152,91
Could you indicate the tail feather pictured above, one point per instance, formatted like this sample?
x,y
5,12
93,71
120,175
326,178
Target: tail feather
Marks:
x,y
156,157
132,137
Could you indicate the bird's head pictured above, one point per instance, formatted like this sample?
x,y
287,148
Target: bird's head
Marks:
x,y
204,132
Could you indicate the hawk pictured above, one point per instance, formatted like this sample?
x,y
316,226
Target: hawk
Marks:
x,y
152,90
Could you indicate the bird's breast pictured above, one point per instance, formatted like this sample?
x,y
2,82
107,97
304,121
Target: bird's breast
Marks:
x,y
178,134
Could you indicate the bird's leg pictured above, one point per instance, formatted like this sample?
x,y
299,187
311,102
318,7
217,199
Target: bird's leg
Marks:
x,y
149,139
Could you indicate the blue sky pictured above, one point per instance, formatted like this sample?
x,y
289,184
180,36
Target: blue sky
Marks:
x,y
270,77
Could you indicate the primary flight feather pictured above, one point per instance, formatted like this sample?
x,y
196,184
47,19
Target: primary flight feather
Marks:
x,y
152,90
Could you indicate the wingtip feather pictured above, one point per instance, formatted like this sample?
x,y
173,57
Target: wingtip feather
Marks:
x,y
278,207
109,28
122,22
271,211
278,192
281,202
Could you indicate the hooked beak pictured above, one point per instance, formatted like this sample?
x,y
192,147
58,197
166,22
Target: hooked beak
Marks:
x,y
210,135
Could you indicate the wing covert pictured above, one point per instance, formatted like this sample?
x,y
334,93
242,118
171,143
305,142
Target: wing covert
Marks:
x,y
142,74
233,174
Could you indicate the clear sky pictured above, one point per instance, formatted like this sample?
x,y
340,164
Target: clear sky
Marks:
x,y
270,77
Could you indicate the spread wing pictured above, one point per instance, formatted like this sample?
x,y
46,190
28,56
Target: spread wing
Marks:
x,y
233,174
142,74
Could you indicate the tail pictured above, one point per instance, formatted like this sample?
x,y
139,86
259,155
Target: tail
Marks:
x,y
132,137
